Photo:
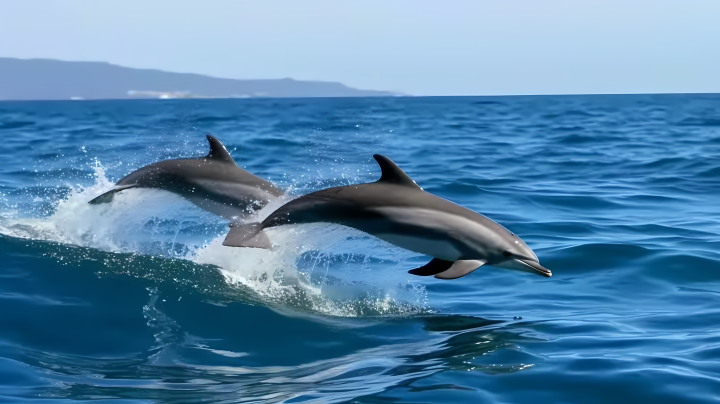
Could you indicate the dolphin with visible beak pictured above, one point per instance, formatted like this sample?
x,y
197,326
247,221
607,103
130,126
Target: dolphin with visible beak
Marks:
x,y
213,182
398,211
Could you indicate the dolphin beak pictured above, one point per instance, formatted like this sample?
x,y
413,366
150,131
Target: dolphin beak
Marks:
x,y
533,267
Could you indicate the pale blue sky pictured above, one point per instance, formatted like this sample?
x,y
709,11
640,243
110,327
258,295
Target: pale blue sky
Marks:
x,y
449,47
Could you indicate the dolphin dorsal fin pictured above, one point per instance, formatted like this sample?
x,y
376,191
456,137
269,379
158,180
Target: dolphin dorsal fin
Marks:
x,y
392,174
218,151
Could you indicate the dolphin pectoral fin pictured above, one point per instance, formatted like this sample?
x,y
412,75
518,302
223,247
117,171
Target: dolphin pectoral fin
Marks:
x,y
108,196
247,235
460,268
431,268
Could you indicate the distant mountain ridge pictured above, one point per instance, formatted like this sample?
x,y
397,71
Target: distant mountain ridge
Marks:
x,y
46,79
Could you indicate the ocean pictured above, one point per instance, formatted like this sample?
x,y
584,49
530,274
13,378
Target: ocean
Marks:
x,y
137,301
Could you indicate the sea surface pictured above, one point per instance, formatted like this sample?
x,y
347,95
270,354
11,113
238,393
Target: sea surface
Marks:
x,y
137,301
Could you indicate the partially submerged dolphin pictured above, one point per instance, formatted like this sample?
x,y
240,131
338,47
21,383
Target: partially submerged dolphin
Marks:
x,y
213,182
397,210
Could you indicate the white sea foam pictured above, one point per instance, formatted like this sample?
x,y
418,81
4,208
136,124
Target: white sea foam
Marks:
x,y
320,267
107,227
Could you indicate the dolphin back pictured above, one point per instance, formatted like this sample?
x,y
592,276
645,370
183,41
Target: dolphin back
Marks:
x,y
213,182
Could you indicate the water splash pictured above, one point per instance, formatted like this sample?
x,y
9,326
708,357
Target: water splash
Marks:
x,y
343,279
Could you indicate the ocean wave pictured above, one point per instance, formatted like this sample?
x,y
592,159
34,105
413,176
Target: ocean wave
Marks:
x,y
138,241
699,122
172,365
15,124
138,300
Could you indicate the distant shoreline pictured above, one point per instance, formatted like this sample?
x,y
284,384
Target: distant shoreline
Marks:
x,y
481,98
47,79
233,98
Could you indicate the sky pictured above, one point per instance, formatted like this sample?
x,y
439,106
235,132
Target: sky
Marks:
x,y
417,47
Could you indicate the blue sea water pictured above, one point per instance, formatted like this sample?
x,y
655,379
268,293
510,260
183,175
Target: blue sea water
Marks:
x,y
138,302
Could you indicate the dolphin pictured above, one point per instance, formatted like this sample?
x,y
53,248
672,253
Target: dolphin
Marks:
x,y
397,210
213,182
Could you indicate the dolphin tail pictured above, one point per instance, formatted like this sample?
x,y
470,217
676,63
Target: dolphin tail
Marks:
x,y
247,235
108,196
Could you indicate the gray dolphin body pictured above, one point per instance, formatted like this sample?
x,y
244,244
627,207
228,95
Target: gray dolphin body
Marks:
x,y
397,210
213,182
